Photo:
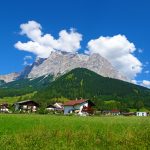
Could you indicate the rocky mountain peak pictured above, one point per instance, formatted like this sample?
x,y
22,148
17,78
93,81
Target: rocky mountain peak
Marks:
x,y
9,77
60,63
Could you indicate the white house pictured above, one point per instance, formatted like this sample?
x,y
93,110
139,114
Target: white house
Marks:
x,y
78,106
27,105
141,114
56,106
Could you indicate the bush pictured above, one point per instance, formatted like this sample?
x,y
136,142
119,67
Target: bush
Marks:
x,y
42,110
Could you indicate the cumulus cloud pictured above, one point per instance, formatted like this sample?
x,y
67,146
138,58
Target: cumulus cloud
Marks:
x,y
134,81
27,60
28,57
140,50
119,51
43,44
146,83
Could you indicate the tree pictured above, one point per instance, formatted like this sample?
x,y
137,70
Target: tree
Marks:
x,y
139,104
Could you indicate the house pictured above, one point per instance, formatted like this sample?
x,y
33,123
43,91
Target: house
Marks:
x,y
81,107
4,108
26,106
50,108
141,114
59,106
128,113
55,107
106,112
113,112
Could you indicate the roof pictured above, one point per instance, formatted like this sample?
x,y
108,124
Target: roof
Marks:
x,y
58,105
115,111
26,101
4,105
74,102
50,106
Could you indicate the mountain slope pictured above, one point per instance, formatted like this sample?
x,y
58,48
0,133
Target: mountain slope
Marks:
x,y
9,77
24,86
84,83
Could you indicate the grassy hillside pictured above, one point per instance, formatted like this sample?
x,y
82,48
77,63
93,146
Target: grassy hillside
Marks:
x,y
87,84
47,132
12,100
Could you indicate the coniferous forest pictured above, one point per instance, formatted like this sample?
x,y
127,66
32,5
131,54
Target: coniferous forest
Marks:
x,y
81,83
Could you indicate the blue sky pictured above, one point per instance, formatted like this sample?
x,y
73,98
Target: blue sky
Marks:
x,y
91,18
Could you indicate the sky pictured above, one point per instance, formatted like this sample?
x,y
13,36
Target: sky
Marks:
x,y
117,30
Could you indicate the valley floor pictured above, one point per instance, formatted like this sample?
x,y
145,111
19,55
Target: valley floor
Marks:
x,y
46,132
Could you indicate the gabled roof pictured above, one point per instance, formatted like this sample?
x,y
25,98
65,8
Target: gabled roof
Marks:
x,y
74,102
58,105
115,111
20,102
26,102
50,106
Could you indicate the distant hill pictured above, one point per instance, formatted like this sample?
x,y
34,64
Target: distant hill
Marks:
x,y
87,84
24,86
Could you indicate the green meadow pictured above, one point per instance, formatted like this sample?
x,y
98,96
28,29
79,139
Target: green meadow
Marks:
x,y
51,132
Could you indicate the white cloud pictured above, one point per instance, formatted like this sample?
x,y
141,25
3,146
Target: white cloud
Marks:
x,y
27,60
134,81
27,57
43,44
119,51
146,83
140,50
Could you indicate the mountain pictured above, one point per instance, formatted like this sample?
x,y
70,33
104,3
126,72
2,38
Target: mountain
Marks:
x,y
59,63
25,73
9,77
2,82
36,83
24,86
81,82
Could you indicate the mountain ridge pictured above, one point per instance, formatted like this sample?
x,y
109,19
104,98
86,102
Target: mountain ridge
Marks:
x,y
59,63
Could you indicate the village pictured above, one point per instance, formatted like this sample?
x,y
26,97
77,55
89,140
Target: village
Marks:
x,y
79,107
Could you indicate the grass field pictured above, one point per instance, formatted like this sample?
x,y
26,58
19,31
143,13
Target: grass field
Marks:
x,y
46,132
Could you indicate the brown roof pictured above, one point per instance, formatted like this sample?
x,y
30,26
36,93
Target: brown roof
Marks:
x,y
74,102
115,111
26,102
